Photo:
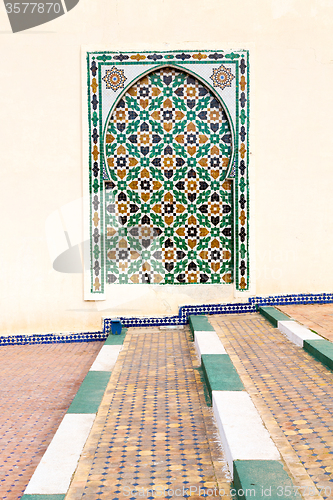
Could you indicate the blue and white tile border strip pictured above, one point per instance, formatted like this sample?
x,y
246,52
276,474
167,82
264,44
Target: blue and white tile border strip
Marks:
x,y
231,308
53,475
52,338
246,441
180,319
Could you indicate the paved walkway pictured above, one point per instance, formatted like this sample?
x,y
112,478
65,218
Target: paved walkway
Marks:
x,y
292,391
153,429
37,385
317,317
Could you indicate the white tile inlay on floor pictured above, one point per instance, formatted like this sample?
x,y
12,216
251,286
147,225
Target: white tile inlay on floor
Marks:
x,y
296,332
242,431
55,470
208,343
106,358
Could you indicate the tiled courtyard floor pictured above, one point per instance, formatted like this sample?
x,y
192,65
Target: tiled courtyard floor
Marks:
x,y
37,385
317,317
292,391
154,429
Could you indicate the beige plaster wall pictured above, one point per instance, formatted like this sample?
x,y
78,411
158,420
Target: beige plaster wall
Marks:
x,y
41,143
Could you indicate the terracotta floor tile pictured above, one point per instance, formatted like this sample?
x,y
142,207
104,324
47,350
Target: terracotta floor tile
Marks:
x,y
318,317
37,385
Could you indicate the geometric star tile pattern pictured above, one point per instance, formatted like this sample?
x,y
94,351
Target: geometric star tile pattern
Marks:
x,y
168,204
296,389
154,436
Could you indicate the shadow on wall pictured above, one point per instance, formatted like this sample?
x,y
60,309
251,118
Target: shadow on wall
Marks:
x,y
69,254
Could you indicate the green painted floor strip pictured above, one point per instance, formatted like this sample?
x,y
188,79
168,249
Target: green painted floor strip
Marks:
x,y
90,394
321,349
220,373
200,324
116,339
208,399
273,315
263,479
43,497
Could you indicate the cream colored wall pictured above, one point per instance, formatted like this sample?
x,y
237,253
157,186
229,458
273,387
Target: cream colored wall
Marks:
x,y
41,143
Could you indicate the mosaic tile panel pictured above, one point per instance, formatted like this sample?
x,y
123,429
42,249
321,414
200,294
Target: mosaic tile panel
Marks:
x,y
110,76
168,205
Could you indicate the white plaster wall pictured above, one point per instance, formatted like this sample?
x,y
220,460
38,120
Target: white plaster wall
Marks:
x,y
41,143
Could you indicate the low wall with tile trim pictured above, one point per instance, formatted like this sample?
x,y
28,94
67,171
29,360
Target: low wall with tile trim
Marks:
x,y
222,308
181,319
314,344
52,477
254,461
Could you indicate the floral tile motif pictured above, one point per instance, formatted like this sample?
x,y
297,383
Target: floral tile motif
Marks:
x,y
168,204
222,77
114,78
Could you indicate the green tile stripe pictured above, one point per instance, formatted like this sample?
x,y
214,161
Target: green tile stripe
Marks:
x,y
89,396
116,339
220,373
43,497
251,478
199,324
322,350
273,315
262,479
87,401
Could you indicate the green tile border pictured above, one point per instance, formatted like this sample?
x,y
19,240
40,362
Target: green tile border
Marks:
x,y
263,479
43,497
116,339
86,401
220,373
90,394
199,323
273,315
322,350
253,478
